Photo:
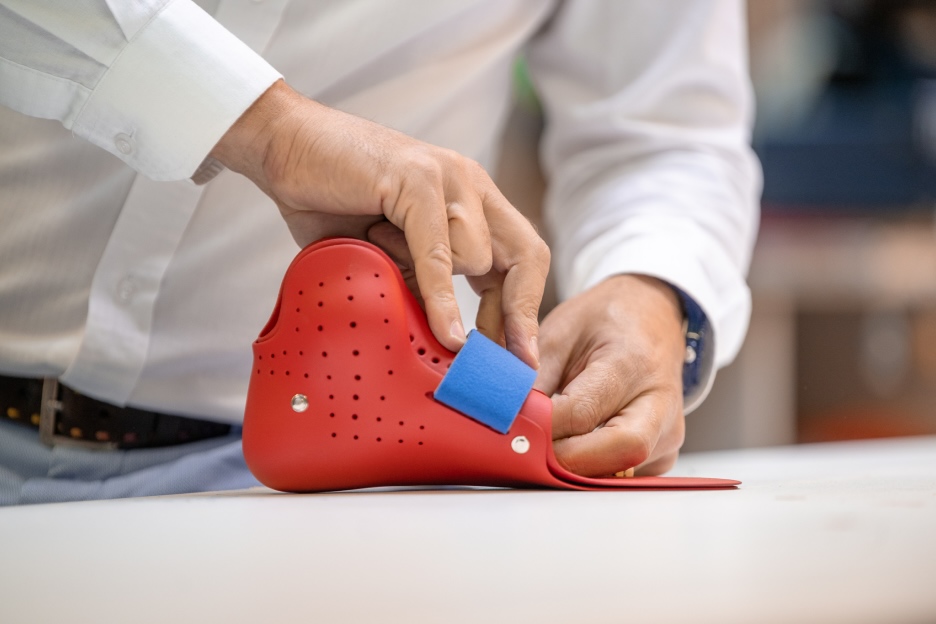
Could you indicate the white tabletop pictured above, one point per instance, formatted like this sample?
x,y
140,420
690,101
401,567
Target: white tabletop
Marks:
x,y
825,533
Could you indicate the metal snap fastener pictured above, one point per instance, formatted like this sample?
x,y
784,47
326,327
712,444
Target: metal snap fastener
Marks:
x,y
299,403
520,445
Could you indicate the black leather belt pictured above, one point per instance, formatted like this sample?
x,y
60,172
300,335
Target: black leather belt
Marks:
x,y
64,416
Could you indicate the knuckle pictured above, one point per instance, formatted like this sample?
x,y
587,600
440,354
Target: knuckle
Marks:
x,y
439,254
476,263
386,188
458,213
541,252
449,155
525,308
477,170
451,160
440,297
425,164
487,256
536,247
585,414
454,158
531,252
471,247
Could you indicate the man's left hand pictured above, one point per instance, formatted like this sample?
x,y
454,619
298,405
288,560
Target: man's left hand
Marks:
x,y
612,359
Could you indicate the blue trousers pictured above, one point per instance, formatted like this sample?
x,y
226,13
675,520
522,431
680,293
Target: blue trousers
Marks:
x,y
31,472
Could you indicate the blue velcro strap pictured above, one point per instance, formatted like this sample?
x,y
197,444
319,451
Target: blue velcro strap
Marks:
x,y
487,383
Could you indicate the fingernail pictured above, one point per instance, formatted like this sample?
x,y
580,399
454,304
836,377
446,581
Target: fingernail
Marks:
x,y
534,349
458,331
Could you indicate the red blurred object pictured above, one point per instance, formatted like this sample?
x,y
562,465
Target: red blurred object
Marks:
x,y
341,393
861,423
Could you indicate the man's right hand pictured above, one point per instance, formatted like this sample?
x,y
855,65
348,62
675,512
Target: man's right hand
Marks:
x,y
332,173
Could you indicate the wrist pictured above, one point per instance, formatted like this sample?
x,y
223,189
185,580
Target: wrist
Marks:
x,y
659,293
246,146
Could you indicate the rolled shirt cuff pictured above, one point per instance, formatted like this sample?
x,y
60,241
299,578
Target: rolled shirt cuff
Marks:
x,y
172,93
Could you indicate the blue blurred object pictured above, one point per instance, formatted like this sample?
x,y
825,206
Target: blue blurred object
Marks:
x,y
858,148
867,144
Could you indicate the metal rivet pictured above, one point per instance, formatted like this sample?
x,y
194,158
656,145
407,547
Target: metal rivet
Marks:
x,y
300,403
691,354
520,445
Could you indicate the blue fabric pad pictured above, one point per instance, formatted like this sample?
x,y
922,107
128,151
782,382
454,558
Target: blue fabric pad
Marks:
x,y
487,383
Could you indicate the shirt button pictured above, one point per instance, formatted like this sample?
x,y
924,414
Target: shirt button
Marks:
x,y
126,289
124,143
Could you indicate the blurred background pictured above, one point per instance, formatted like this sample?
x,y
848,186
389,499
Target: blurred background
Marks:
x,y
842,342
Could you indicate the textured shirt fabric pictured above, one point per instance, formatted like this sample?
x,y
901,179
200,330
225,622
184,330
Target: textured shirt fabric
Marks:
x,y
136,286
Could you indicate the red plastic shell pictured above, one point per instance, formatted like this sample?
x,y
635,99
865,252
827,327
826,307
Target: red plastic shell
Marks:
x,y
348,336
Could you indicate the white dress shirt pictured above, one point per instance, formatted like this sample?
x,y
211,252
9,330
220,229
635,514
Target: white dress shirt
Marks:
x,y
137,286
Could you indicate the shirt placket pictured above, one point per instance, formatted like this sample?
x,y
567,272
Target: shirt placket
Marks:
x,y
125,288
126,285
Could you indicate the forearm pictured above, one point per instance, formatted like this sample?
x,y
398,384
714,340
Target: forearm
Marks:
x,y
647,150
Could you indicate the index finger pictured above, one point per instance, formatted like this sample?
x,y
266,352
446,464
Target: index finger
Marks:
x,y
425,225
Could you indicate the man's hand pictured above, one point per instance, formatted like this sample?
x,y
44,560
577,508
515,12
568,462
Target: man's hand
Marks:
x,y
615,356
332,173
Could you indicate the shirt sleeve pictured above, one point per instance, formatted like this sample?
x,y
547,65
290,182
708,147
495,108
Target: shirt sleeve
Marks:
x,y
648,109
154,82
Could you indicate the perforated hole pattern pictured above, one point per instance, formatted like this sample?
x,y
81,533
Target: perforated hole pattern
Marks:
x,y
370,412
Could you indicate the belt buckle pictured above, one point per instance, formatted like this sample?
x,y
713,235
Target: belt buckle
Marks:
x,y
48,414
